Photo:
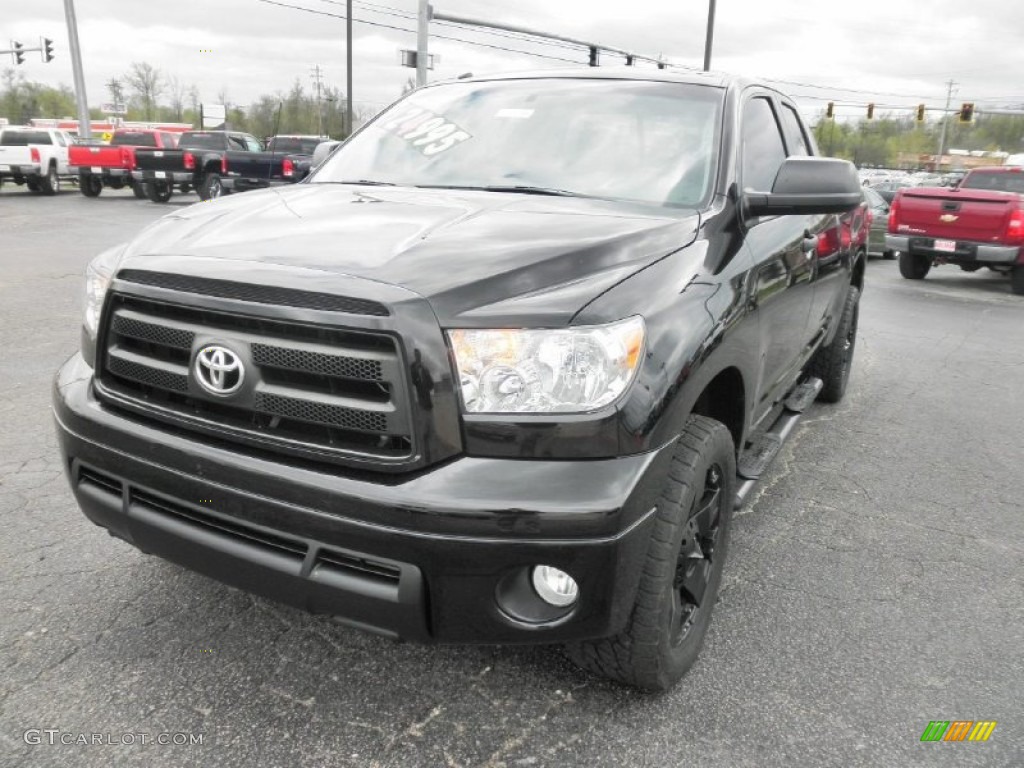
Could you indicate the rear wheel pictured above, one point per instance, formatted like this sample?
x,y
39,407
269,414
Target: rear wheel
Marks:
x,y
914,266
1017,280
159,191
211,188
91,186
50,183
32,184
683,569
889,255
832,364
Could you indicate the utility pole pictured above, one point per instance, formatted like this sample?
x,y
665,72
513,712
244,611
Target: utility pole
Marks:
x,y
945,122
317,78
710,36
84,128
422,34
348,69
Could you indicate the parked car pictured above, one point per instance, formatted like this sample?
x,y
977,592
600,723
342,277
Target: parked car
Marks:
x,y
888,189
211,162
35,157
299,152
879,222
978,224
498,372
101,165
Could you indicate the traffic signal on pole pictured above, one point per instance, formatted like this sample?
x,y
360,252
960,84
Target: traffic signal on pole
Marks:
x,y
920,113
871,111
830,110
47,50
19,57
967,112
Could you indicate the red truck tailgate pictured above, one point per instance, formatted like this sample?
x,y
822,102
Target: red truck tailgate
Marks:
x,y
962,214
85,156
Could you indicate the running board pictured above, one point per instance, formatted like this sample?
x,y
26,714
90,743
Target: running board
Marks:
x,y
754,460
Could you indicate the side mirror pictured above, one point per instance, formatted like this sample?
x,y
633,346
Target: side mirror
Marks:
x,y
808,185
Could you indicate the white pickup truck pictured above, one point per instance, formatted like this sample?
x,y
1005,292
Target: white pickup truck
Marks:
x,y
37,157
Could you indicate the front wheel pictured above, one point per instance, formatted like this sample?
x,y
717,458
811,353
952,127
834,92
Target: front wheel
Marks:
x,y
683,568
32,184
211,188
914,266
139,190
159,191
91,186
832,364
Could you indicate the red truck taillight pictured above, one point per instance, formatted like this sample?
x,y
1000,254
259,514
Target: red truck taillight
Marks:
x,y
1015,227
33,154
223,165
288,168
127,158
190,161
894,214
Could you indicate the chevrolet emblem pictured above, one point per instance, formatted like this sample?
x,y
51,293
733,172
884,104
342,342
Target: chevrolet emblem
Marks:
x,y
948,218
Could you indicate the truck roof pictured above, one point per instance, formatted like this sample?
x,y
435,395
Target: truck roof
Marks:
x,y
693,77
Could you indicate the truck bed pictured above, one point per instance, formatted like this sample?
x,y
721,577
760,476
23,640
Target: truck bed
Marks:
x,y
975,215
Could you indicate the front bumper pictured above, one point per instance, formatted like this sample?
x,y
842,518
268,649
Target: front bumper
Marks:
x,y
438,555
966,251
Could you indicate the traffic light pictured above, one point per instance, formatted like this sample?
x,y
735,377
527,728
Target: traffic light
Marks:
x,y
967,112
920,113
871,111
47,50
19,57
830,110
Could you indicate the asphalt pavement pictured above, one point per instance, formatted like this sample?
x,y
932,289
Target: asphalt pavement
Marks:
x,y
875,581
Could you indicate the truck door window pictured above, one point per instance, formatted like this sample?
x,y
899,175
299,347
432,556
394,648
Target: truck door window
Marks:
x,y
253,144
234,142
762,148
796,140
60,140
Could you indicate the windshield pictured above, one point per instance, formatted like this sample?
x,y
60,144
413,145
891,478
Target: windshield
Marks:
x,y
619,139
293,146
133,139
203,141
999,181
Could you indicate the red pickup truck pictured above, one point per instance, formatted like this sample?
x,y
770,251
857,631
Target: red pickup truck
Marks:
x,y
111,165
978,224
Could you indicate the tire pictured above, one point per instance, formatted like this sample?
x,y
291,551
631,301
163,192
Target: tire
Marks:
x,y
668,623
832,364
1017,280
139,190
211,187
159,191
889,255
49,184
970,267
32,184
914,266
90,186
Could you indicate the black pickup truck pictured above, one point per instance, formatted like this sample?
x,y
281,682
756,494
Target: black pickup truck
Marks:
x,y
211,162
498,372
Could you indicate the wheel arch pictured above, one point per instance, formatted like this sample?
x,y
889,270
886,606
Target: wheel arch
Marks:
x,y
723,399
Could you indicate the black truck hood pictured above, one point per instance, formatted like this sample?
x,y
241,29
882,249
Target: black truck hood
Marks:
x,y
478,257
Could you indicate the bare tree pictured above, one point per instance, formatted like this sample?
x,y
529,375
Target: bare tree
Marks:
x,y
176,89
116,89
147,83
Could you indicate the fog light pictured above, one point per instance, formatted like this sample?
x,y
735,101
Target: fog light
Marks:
x,y
554,586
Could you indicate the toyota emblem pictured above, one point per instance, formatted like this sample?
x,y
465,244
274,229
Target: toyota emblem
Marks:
x,y
219,370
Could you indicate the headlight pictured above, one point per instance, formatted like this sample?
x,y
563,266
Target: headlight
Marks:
x,y
567,370
98,275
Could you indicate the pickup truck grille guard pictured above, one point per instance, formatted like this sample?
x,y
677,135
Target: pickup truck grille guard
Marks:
x,y
336,394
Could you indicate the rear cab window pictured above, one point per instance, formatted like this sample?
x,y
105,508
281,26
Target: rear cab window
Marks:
x,y
133,139
24,138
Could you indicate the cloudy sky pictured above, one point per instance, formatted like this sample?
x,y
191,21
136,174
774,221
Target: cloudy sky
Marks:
x,y
896,54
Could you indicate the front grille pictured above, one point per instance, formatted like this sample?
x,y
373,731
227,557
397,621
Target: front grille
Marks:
x,y
316,391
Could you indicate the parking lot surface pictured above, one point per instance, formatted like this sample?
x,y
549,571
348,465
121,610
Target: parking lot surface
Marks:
x,y
874,583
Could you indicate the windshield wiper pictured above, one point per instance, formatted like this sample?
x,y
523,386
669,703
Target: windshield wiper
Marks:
x,y
522,188
365,182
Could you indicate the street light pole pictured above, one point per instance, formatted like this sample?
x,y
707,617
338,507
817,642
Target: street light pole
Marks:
x,y
84,128
348,69
710,36
422,33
